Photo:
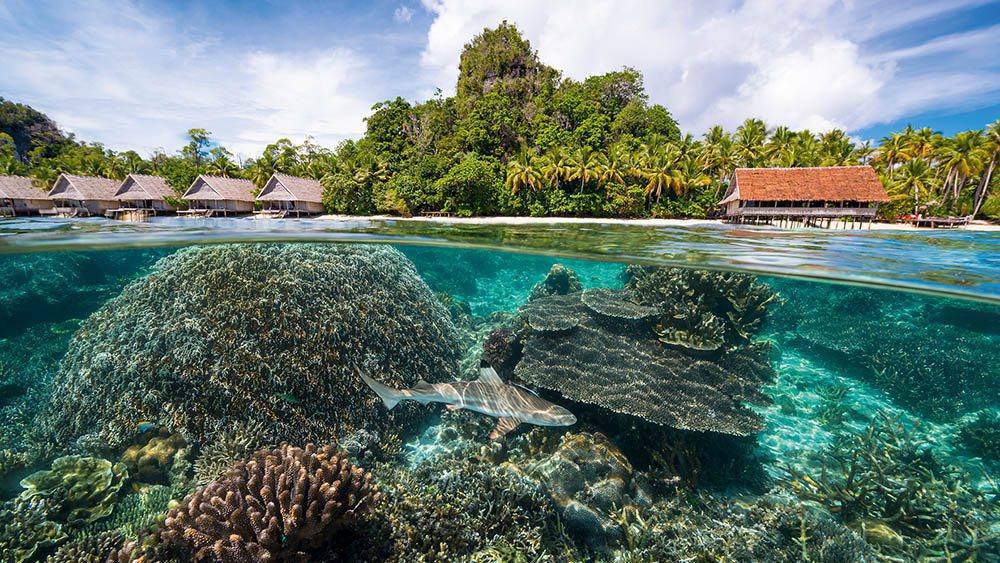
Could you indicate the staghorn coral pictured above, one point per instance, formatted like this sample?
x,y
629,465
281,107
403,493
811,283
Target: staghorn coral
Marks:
x,y
84,488
702,311
231,335
91,549
559,281
226,448
26,525
900,497
629,372
285,504
151,461
137,511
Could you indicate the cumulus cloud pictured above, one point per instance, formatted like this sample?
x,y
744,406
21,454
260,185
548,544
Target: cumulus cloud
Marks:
x,y
802,64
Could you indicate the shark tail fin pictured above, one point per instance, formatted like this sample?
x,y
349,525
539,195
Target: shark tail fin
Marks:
x,y
390,397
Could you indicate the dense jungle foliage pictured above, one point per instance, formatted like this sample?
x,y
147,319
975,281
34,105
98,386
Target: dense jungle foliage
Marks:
x,y
518,138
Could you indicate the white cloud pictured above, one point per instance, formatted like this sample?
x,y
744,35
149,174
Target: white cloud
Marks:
x,y
801,64
132,79
402,14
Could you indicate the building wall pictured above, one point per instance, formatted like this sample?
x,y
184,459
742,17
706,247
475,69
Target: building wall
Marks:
x,y
31,205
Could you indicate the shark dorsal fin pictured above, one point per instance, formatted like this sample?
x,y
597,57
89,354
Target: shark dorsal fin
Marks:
x,y
504,425
490,376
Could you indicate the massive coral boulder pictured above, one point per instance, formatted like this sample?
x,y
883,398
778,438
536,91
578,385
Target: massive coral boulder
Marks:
x,y
236,335
285,504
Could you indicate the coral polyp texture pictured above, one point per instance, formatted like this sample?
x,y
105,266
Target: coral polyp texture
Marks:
x,y
602,349
226,336
285,504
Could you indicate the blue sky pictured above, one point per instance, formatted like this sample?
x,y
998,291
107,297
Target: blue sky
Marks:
x,y
139,73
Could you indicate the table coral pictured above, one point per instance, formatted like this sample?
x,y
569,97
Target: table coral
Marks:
x,y
231,335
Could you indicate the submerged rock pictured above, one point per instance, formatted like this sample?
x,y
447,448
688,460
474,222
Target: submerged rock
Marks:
x,y
236,335
559,281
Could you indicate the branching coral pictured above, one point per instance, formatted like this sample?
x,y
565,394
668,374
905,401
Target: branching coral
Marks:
x,y
898,495
84,488
230,335
91,549
285,504
702,311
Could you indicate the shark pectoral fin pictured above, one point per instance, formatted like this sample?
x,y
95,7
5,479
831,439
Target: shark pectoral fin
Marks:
x,y
504,425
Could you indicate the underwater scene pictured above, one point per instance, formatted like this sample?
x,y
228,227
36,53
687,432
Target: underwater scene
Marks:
x,y
362,401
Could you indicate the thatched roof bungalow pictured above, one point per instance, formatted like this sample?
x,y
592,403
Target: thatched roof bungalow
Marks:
x,y
83,195
139,192
810,196
215,195
18,196
285,195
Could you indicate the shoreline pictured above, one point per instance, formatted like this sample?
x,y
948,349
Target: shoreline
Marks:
x,y
978,225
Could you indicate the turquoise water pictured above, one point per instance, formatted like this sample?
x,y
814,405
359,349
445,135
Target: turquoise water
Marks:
x,y
737,394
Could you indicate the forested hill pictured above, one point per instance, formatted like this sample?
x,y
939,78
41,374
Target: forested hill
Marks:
x,y
519,138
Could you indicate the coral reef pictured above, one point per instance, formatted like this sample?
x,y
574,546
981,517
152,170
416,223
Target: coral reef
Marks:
x,y
900,497
27,525
919,349
152,460
85,489
697,526
91,549
981,435
231,335
576,352
588,479
227,447
137,511
701,311
285,504
502,350
559,281
616,304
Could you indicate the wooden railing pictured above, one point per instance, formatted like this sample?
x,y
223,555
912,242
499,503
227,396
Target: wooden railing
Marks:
x,y
809,212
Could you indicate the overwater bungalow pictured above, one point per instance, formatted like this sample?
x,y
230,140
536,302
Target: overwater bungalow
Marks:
x,y
18,196
211,196
284,195
832,196
82,196
140,196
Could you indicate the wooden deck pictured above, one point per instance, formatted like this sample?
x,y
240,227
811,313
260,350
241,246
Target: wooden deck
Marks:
x,y
941,222
433,214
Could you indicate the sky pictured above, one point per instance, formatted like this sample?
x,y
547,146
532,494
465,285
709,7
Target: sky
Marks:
x,y
139,73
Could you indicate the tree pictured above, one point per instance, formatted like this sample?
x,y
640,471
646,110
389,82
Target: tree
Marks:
x,y
196,151
585,166
992,148
916,177
523,172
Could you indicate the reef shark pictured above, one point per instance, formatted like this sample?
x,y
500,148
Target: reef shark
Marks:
x,y
488,395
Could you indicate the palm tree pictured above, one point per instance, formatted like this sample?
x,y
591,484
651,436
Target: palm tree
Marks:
x,y
522,172
837,148
806,149
779,144
992,148
719,156
658,171
892,151
916,176
555,166
221,165
750,137
963,156
690,175
585,165
617,167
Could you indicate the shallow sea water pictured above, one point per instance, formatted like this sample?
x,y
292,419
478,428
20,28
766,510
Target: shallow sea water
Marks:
x,y
738,394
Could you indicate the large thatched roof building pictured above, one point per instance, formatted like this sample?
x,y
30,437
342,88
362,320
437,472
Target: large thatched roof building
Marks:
x,y
18,196
83,195
285,195
142,192
810,196
216,195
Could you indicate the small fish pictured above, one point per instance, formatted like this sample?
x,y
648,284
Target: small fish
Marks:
x,y
289,398
488,395
144,426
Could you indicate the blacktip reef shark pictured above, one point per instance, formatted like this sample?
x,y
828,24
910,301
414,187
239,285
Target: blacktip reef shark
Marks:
x,y
488,395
